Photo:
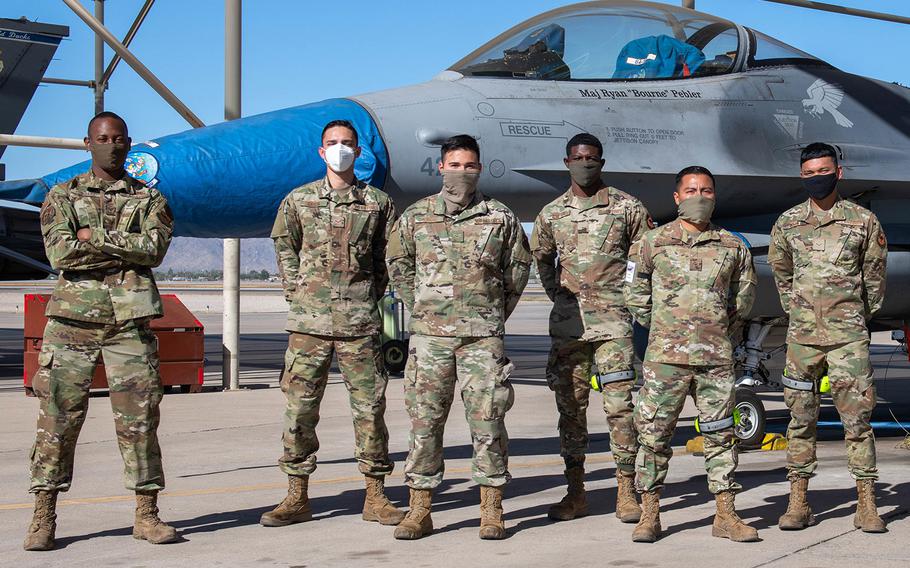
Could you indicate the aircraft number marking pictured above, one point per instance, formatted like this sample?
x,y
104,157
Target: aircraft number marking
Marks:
x,y
430,167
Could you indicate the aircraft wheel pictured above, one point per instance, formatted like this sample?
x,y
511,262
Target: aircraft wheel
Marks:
x,y
751,427
395,355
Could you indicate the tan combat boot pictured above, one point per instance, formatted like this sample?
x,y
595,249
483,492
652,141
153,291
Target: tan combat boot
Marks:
x,y
491,525
648,528
417,523
627,509
44,522
866,517
727,523
574,504
294,509
799,513
377,507
148,526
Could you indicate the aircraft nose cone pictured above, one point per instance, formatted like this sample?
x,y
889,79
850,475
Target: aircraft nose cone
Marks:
x,y
227,180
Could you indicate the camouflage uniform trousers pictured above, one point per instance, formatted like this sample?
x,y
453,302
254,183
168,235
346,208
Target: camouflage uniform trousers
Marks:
x,y
853,391
67,361
306,374
569,376
661,399
433,365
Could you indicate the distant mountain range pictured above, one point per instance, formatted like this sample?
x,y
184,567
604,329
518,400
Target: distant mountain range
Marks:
x,y
191,255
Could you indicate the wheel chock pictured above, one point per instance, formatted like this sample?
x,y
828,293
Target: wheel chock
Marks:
x,y
696,446
773,442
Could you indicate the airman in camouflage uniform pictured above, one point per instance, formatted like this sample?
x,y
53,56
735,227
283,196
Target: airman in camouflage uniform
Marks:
x,y
690,283
581,243
460,261
330,238
104,232
828,257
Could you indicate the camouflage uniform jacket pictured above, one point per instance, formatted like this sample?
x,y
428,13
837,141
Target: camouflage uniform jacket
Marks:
x,y
690,290
830,271
581,247
461,275
107,279
331,255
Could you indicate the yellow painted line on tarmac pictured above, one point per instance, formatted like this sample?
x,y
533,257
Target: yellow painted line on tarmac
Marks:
x,y
268,486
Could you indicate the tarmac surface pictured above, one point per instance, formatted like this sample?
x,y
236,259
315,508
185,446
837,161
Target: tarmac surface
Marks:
x,y
220,452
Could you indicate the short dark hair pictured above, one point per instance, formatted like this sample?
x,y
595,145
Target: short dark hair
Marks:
x,y
342,123
107,114
459,142
584,139
694,170
817,150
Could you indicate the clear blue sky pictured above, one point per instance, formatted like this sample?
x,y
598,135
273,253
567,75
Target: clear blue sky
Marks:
x,y
295,52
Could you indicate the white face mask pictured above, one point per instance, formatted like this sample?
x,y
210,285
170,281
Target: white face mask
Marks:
x,y
339,157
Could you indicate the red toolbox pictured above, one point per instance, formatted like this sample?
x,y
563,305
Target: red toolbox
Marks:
x,y
181,344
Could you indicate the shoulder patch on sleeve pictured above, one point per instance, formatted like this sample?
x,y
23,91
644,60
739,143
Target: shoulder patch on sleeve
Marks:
x,y
882,242
48,212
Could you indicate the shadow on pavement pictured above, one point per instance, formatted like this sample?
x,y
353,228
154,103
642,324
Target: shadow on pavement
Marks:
x,y
827,504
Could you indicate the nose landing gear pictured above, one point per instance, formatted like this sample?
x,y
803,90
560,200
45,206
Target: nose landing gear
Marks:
x,y
750,359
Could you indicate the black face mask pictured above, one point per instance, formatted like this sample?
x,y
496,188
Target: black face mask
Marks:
x,y
820,186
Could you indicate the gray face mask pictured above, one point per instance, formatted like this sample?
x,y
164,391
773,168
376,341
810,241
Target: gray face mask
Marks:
x,y
696,210
585,174
458,188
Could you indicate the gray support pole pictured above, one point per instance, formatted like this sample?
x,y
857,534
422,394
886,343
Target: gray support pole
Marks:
x,y
127,40
230,370
72,82
690,4
825,7
230,333
137,65
41,142
99,59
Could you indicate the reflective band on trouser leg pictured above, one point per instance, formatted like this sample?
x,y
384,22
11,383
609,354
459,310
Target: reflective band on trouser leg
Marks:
x,y
601,379
716,425
797,385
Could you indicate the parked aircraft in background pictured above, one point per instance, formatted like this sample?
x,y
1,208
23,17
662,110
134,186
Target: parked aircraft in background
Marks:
x,y
26,49
663,87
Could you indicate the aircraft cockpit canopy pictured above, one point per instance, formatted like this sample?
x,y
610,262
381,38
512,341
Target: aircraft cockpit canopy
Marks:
x,y
625,41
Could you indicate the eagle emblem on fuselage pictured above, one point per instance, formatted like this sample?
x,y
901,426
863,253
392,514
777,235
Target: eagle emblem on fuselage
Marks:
x,y
825,96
